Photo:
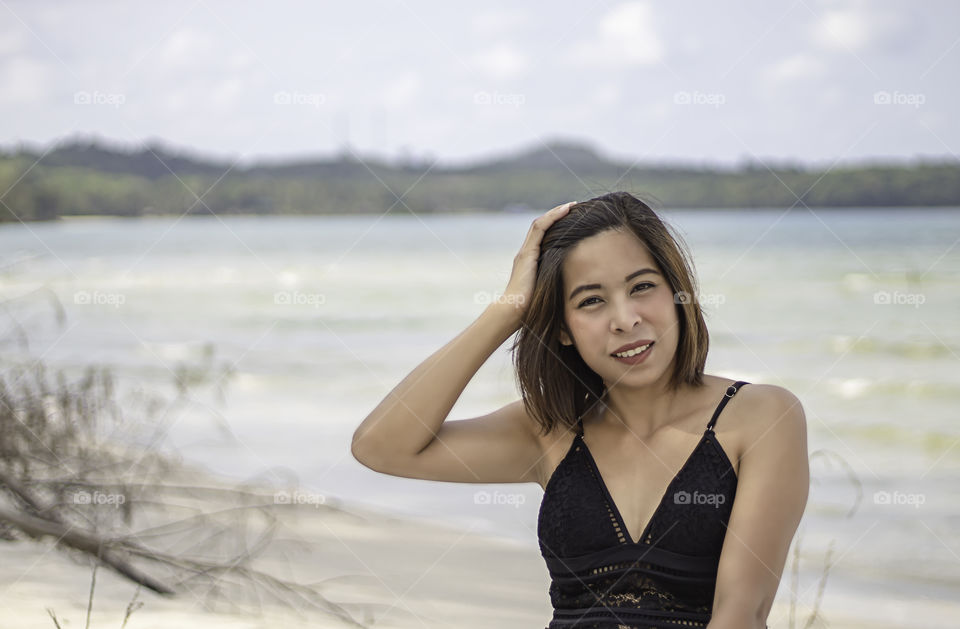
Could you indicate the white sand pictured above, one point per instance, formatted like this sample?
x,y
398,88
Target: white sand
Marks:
x,y
383,571
396,572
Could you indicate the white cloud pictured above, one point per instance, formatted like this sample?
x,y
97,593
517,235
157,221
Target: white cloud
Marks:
x,y
12,42
501,61
226,91
865,26
196,79
690,44
606,95
832,97
176,101
198,71
186,47
795,67
626,35
498,22
241,61
842,29
402,91
25,80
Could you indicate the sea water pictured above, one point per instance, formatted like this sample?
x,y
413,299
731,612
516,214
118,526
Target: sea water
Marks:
x,y
853,310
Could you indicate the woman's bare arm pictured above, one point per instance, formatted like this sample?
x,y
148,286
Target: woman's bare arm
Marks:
x,y
406,434
772,491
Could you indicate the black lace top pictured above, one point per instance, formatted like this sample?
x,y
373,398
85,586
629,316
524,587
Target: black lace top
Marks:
x,y
601,579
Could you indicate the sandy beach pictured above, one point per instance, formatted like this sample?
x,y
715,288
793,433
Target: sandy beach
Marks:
x,y
378,569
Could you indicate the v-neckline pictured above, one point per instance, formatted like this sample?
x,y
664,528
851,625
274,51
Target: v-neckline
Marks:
x,y
663,496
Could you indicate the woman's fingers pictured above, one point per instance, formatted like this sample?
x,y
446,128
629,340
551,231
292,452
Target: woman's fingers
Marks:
x,y
523,276
543,222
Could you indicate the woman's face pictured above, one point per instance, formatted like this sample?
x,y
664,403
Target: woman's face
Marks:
x,y
619,312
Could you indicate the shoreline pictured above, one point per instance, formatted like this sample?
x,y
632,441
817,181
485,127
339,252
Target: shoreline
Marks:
x,y
471,212
439,576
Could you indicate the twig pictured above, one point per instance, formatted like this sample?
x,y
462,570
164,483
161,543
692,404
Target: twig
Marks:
x,y
794,582
93,584
132,606
54,617
821,587
55,457
85,541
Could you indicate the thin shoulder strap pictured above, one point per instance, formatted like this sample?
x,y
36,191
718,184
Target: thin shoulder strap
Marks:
x,y
731,391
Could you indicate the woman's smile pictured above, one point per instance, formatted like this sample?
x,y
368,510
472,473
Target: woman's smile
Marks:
x,y
634,357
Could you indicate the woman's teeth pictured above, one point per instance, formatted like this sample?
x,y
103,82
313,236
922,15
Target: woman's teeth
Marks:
x,y
633,352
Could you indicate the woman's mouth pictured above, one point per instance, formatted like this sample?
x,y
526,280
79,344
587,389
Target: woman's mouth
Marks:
x,y
634,356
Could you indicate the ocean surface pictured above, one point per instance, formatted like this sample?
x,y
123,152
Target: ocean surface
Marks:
x,y
855,311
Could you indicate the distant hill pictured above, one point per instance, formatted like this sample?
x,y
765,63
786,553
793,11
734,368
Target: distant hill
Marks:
x,y
89,176
579,157
153,161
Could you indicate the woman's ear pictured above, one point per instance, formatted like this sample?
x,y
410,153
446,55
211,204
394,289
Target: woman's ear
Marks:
x,y
564,337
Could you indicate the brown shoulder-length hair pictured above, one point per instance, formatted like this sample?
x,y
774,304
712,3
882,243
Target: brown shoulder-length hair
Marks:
x,y
555,383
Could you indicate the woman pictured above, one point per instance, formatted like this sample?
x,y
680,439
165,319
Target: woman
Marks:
x,y
655,513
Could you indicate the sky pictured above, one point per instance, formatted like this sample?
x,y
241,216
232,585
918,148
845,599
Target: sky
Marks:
x,y
818,82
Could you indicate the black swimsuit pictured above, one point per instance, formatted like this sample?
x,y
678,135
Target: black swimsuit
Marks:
x,y
602,579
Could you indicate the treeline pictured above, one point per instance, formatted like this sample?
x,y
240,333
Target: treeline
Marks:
x,y
90,177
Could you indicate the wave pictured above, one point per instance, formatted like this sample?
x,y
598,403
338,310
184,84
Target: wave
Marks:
x,y
921,348
855,388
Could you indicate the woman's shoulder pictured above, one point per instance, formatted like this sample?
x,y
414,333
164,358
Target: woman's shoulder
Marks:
x,y
762,407
764,397
757,411
757,391
751,396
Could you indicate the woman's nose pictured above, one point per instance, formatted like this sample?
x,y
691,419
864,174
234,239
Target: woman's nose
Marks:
x,y
625,316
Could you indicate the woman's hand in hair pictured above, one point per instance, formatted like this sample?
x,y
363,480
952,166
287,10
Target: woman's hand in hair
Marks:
x,y
516,297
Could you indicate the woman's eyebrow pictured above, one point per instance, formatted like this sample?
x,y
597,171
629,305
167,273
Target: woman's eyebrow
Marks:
x,y
584,287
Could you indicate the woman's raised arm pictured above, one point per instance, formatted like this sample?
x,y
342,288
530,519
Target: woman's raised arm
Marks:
x,y
405,435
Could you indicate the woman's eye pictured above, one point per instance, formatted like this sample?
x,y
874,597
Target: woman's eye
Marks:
x,y
587,301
